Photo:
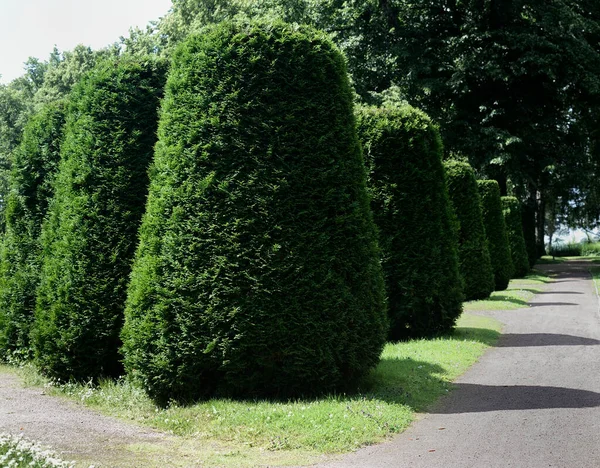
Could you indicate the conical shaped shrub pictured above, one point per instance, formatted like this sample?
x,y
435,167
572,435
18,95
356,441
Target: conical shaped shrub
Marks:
x,y
258,271
511,209
409,199
473,253
91,234
495,233
33,169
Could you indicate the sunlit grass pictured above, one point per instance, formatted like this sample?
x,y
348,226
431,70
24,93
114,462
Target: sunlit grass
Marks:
x,y
519,292
411,376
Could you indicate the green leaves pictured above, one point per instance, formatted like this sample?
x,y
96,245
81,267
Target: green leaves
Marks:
x,y
495,232
473,253
257,272
511,208
403,154
90,236
33,170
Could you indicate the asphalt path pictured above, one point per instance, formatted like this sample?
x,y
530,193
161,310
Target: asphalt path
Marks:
x,y
532,401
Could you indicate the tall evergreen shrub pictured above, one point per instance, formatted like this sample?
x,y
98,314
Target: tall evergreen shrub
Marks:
x,y
33,169
473,253
409,199
258,271
90,237
512,216
495,232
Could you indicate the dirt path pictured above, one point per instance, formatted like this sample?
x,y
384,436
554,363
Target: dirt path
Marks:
x,y
75,432
532,401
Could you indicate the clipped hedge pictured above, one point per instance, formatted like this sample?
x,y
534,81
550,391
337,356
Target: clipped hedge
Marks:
x,y
495,232
90,237
33,168
258,270
473,253
409,199
511,209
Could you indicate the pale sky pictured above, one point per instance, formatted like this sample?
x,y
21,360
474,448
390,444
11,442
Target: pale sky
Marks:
x,y
31,28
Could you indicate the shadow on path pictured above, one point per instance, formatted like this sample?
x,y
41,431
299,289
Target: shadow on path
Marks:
x,y
517,340
549,304
474,398
553,292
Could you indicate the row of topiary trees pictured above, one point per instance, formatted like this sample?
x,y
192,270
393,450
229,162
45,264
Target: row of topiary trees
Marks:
x,y
259,270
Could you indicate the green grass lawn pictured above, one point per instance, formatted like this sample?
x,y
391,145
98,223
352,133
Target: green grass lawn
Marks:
x,y
411,376
519,292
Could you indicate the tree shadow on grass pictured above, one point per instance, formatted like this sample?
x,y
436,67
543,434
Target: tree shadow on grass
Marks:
x,y
418,385
505,298
405,381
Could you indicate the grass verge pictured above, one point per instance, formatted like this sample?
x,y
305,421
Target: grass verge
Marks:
x,y
519,292
411,376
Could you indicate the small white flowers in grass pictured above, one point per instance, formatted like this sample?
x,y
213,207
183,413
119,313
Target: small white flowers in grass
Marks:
x,y
18,452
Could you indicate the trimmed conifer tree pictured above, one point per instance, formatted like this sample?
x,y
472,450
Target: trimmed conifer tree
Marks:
x,y
511,209
90,237
258,270
33,168
473,253
409,199
495,233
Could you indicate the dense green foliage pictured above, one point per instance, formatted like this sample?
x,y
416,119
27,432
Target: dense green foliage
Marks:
x,y
258,272
495,232
528,221
90,237
511,209
31,178
403,154
473,253
514,85
572,249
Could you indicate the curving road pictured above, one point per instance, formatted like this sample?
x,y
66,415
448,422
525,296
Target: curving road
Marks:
x,y
532,401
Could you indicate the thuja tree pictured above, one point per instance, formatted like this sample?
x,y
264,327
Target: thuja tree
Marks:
x,y
33,168
512,216
89,239
403,154
258,271
474,256
495,231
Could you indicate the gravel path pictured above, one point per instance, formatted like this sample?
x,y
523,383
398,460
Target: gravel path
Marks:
x,y
532,401
75,432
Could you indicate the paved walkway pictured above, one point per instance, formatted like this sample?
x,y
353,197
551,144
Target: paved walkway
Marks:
x,y
532,401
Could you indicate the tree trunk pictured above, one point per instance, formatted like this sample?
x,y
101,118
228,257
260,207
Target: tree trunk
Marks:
x,y
540,223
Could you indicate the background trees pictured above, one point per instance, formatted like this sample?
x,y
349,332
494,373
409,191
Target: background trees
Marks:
x,y
91,234
409,198
473,254
495,233
32,174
